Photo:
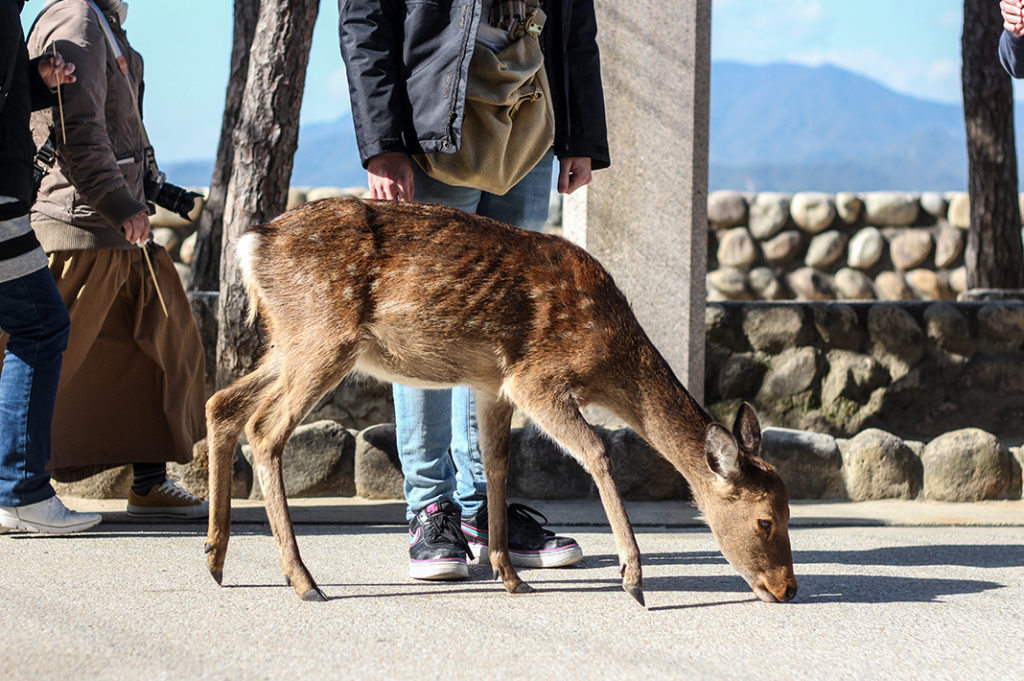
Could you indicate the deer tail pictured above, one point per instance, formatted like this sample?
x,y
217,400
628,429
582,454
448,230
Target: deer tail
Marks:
x,y
245,254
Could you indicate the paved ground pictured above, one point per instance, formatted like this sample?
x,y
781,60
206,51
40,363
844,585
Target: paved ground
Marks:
x,y
888,590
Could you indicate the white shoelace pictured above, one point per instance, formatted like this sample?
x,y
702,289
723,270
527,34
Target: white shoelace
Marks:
x,y
171,489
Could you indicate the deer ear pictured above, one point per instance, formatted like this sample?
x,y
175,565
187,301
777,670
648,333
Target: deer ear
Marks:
x,y
747,429
722,453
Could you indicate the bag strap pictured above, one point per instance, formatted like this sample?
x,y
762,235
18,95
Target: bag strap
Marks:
x,y
122,65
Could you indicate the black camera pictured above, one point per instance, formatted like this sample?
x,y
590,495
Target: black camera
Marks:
x,y
169,196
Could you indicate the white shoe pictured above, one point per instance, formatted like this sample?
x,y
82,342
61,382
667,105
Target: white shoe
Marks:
x,y
50,516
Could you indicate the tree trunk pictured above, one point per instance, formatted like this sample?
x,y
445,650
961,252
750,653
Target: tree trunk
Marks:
x,y
995,255
265,140
206,262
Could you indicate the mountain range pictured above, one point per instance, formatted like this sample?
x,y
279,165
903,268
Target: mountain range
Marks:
x,y
776,127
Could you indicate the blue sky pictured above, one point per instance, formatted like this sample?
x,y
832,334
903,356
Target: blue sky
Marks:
x,y
912,46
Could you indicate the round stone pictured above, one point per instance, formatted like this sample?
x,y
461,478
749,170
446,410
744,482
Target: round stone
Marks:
x,y
958,279
187,252
910,249
813,212
968,465
866,247
810,284
879,465
730,282
769,213
727,209
736,248
773,328
853,284
891,209
947,328
892,286
928,284
765,284
782,248
949,246
825,249
849,207
935,204
1001,323
959,213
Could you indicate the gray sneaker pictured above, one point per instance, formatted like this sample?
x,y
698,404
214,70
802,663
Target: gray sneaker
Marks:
x,y
49,516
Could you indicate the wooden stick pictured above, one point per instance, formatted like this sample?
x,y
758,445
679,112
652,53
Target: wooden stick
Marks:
x,y
156,284
60,101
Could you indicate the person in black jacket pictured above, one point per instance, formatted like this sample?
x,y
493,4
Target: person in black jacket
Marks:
x,y
31,309
407,66
1011,42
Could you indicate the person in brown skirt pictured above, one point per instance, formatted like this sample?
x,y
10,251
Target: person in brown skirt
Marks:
x,y
132,385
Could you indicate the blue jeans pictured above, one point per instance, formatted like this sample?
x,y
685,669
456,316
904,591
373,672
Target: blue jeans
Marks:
x,y
32,312
432,423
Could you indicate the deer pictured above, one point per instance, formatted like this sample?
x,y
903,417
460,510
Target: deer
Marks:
x,y
433,297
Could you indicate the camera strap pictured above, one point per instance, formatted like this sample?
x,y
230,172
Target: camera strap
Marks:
x,y
45,157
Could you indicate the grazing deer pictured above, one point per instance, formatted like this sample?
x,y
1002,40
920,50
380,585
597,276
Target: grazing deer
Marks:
x,y
432,297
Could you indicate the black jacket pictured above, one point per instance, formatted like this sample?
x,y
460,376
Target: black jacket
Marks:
x,y
27,92
407,64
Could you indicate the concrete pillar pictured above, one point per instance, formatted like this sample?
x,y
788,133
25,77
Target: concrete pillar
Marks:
x,y
645,217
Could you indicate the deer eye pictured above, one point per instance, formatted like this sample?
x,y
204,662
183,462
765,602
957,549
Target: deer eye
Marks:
x,y
765,525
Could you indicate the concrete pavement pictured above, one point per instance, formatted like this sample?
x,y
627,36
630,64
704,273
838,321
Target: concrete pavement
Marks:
x,y
894,590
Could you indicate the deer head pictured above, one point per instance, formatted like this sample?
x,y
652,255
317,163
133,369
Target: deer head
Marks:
x,y
747,508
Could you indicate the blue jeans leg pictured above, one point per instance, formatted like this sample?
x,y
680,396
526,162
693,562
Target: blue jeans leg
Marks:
x,y
438,437
32,312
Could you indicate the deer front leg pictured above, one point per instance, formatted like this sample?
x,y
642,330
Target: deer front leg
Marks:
x,y
564,423
268,469
495,418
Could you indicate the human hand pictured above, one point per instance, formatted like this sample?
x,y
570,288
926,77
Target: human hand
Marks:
x,y
136,228
390,176
55,71
1013,16
573,173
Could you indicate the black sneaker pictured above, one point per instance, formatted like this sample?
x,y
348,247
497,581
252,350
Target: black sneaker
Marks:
x,y
529,544
437,549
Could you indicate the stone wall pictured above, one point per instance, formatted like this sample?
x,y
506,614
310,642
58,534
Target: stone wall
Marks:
x,y
915,369
815,246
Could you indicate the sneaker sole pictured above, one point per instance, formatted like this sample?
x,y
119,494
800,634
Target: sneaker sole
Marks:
x,y
164,513
17,524
567,555
438,569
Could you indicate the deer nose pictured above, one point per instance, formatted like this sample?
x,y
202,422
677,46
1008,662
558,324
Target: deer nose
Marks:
x,y
787,595
790,592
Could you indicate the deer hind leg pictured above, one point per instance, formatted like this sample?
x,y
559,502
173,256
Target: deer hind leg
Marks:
x,y
226,414
562,421
301,384
495,418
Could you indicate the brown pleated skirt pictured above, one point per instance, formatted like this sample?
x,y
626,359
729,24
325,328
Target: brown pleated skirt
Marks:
x,y
132,381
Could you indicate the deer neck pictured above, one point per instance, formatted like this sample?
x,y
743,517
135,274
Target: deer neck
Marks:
x,y
670,420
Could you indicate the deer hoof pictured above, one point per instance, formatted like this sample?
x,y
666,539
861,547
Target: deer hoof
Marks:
x,y
314,595
635,591
218,576
522,588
